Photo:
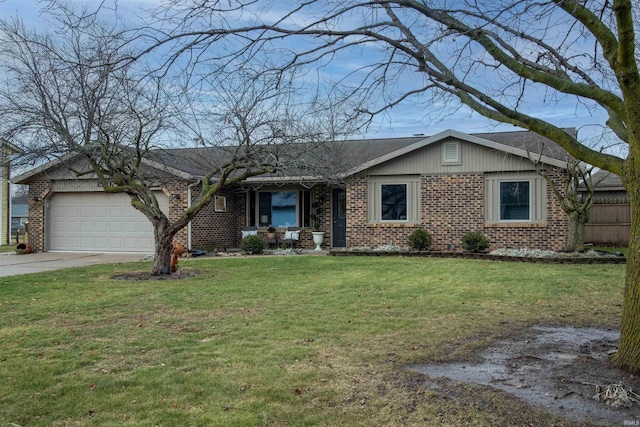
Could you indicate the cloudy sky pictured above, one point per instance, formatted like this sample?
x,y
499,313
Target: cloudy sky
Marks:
x,y
403,120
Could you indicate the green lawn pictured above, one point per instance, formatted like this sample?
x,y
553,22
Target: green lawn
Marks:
x,y
276,341
7,248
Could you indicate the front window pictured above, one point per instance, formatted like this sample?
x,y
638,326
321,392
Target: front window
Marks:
x,y
394,202
280,208
515,201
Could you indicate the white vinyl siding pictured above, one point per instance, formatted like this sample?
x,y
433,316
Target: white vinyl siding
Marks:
x,y
411,212
537,188
451,153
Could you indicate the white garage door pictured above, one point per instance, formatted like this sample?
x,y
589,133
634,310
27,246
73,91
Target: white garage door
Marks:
x,y
99,222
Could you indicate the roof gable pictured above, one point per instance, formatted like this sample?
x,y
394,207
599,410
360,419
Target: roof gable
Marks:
x,y
452,134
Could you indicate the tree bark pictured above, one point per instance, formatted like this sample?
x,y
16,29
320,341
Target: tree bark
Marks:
x,y
163,247
576,231
628,355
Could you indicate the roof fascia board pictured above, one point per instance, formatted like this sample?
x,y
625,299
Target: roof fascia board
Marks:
x,y
288,179
20,179
70,156
10,146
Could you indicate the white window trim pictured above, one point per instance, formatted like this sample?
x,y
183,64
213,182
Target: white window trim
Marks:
x,y
531,201
408,207
220,203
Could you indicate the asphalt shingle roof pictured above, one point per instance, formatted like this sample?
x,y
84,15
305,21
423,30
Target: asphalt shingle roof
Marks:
x,y
344,155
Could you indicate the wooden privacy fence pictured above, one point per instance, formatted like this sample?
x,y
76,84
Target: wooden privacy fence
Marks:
x,y
609,223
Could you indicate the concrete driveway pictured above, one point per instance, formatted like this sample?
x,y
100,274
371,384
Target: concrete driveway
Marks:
x,y
12,264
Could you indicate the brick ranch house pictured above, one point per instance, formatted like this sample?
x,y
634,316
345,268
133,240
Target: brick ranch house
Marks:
x,y
448,184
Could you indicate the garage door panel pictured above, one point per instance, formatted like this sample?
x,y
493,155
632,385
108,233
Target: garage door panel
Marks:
x,y
116,227
147,227
86,242
116,211
130,243
99,222
115,243
87,226
86,211
131,226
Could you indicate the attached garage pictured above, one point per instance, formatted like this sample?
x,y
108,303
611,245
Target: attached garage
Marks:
x,y
98,222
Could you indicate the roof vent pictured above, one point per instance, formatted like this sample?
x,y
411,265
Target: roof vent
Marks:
x,y
451,152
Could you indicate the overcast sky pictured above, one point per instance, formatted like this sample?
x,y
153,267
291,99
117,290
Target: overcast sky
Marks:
x,y
404,120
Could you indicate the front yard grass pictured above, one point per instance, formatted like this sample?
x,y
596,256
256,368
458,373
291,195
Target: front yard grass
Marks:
x,y
277,340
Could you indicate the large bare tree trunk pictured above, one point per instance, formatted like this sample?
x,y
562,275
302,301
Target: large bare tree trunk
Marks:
x,y
628,355
163,248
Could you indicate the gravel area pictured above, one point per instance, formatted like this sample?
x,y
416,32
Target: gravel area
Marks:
x,y
538,253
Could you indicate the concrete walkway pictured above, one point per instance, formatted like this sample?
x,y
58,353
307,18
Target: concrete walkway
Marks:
x,y
12,264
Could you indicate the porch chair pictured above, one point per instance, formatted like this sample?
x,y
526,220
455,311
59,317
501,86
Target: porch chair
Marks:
x,y
291,236
249,231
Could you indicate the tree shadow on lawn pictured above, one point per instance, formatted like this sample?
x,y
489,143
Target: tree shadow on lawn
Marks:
x,y
560,369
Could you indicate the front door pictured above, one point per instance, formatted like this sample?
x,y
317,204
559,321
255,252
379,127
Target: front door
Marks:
x,y
339,210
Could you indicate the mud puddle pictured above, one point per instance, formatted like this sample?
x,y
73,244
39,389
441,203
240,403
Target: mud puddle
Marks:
x,y
557,368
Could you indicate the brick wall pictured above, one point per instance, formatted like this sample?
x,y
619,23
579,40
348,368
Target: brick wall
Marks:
x,y
218,230
178,199
450,206
38,191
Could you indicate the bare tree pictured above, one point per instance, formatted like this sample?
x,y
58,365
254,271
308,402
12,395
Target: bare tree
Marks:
x,y
492,56
575,201
76,96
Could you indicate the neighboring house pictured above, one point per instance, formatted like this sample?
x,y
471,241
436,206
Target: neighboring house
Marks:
x,y
19,217
372,192
6,151
610,217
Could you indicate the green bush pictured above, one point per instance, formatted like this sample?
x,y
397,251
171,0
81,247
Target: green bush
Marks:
x,y
475,241
252,244
420,240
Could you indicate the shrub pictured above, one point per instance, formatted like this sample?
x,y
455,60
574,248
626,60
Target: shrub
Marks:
x,y
252,244
420,240
475,241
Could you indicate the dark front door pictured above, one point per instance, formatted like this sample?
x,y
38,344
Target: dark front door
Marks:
x,y
339,210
